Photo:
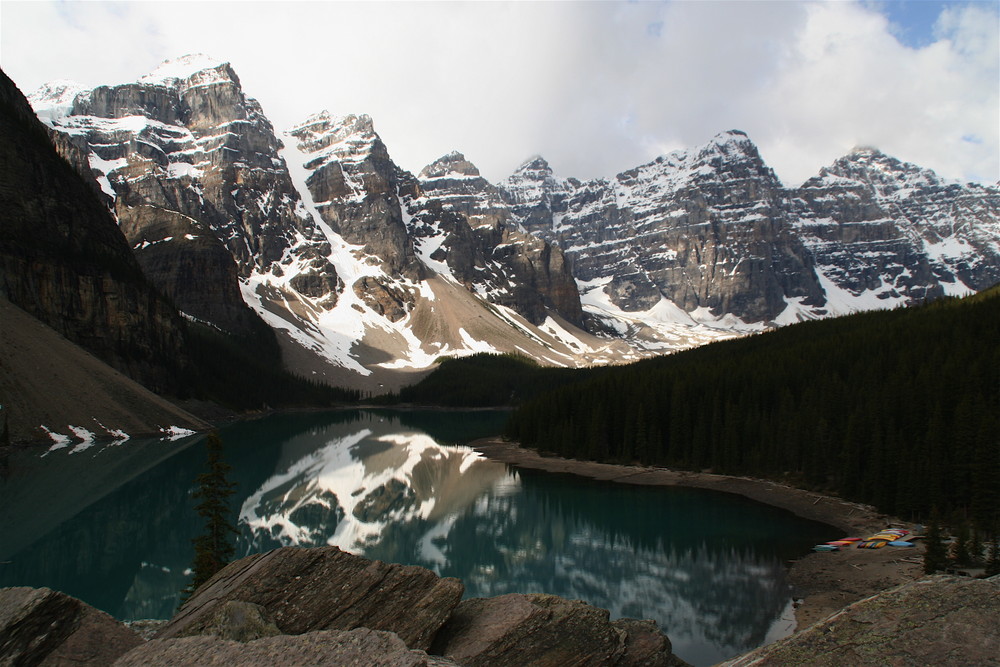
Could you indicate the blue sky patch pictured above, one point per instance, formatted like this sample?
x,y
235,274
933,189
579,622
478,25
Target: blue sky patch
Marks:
x,y
912,20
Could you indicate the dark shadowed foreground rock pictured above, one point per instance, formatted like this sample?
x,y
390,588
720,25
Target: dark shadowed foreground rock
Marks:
x,y
39,626
545,630
939,620
324,588
240,621
325,648
645,645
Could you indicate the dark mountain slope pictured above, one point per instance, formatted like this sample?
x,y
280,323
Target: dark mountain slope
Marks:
x,y
45,380
64,260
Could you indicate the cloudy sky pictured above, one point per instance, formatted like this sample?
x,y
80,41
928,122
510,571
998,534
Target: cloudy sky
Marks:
x,y
595,87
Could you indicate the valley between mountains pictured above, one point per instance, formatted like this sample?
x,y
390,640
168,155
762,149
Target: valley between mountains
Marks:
x,y
369,273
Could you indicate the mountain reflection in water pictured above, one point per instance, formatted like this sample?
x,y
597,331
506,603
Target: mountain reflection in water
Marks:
x,y
708,567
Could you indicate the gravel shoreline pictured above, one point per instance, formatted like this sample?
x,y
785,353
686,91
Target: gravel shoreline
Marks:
x,y
826,581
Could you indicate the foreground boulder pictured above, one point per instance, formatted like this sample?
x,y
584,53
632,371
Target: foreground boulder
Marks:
x,y
39,626
939,620
325,648
517,630
645,645
304,590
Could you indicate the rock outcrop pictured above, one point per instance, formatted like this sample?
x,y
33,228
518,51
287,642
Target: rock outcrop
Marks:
x,y
326,648
39,626
940,620
517,630
310,592
324,601
325,588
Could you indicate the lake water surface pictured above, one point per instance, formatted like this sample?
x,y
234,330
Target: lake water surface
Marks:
x,y
113,524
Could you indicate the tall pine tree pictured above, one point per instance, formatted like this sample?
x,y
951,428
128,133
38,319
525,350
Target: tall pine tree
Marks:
x,y
213,548
935,553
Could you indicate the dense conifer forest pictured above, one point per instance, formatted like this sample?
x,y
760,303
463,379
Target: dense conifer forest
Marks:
x,y
900,409
245,373
487,380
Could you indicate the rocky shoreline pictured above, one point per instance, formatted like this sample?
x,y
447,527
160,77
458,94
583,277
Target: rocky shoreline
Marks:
x,y
827,582
324,606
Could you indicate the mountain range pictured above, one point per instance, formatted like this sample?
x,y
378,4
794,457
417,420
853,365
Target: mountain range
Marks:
x,y
369,273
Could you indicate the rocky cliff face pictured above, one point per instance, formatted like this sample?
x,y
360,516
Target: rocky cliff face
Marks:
x,y
199,189
897,233
714,229
367,268
315,232
355,187
64,260
705,229
463,224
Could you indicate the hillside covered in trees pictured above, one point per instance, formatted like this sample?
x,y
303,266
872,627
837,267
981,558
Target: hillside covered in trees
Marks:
x,y
486,380
900,409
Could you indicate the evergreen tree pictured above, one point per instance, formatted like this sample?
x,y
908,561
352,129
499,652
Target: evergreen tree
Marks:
x,y
213,548
935,555
993,564
960,551
975,546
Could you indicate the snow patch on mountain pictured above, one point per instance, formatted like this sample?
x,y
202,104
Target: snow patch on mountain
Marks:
x,y
174,71
54,100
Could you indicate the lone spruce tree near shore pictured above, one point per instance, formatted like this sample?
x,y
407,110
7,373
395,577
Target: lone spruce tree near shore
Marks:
x,y
935,553
213,548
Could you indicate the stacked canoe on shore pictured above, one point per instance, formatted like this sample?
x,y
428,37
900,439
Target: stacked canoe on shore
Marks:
x,y
893,537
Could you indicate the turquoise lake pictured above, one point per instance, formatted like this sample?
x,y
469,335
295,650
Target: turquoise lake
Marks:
x,y
112,523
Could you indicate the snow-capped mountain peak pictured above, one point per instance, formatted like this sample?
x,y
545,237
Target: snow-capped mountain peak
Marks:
x,y
201,68
452,165
369,268
54,100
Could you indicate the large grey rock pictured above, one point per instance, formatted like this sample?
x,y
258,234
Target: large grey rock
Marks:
x,y
324,588
939,620
238,621
39,626
544,630
645,645
326,648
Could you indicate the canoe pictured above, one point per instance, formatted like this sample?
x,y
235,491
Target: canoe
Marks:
x,y
826,547
901,543
873,544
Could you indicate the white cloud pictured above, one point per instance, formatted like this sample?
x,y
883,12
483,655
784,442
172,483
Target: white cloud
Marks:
x,y
595,87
